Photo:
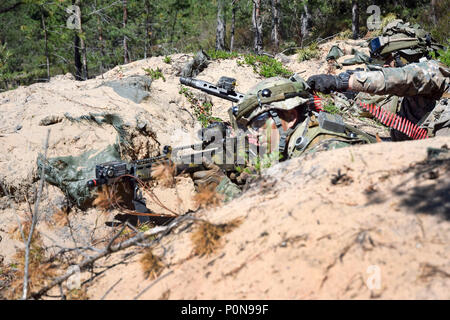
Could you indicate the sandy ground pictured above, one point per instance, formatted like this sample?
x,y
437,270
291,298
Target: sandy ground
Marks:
x,y
384,235
301,236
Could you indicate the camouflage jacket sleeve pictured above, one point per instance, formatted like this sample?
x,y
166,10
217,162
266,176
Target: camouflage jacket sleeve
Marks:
x,y
429,78
228,189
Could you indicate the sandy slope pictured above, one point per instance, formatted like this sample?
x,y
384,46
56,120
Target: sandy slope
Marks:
x,y
304,238
301,236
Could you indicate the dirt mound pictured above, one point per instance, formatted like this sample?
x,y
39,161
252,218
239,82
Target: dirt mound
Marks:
x,y
322,227
363,222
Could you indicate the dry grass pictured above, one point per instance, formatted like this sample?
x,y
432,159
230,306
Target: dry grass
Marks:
x,y
26,225
104,198
207,237
207,197
429,271
151,264
164,173
60,217
38,272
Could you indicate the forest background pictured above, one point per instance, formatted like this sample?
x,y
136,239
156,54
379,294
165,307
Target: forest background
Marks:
x,y
43,38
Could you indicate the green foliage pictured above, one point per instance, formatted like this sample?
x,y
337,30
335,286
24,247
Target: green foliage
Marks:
x,y
155,74
345,35
331,108
220,54
309,52
5,54
267,160
161,28
167,59
444,56
384,22
266,66
202,110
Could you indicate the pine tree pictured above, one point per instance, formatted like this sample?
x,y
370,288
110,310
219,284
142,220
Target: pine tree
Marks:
x,y
221,26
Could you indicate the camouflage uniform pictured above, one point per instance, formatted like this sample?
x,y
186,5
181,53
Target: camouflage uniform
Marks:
x,y
422,85
314,136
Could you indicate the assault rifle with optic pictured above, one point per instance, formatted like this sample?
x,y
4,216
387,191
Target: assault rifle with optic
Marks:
x,y
110,173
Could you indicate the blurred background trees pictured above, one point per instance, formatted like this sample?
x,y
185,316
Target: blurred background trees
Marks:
x,y
36,41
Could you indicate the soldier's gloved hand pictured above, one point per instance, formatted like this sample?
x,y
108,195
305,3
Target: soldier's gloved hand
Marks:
x,y
210,177
326,83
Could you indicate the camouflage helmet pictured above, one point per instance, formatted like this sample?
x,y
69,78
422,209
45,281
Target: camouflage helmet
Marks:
x,y
272,93
410,41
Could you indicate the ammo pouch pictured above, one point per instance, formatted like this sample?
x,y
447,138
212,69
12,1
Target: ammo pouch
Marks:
x,y
325,127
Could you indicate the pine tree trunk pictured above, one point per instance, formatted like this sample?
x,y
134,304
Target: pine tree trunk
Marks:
x,y
305,19
257,27
355,19
147,28
125,44
100,41
433,12
221,27
233,23
80,58
275,36
76,51
46,45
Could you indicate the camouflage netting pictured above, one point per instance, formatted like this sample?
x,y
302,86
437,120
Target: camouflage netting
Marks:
x,y
71,174
195,66
136,139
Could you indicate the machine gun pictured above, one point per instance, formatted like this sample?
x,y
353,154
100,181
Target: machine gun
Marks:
x,y
136,172
224,88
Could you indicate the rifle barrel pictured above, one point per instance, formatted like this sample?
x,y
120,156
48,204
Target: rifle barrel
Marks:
x,y
212,89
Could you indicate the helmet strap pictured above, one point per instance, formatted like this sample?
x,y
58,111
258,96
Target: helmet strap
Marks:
x,y
284,134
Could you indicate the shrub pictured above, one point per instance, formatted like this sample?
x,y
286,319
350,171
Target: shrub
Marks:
x,y
202,111
167,59
309,52
266,66
155,74
220,54
444,56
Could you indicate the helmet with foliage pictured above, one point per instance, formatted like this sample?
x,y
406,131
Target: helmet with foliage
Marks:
x,y
409,42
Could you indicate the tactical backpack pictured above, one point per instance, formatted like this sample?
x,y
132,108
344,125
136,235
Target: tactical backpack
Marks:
x,y
410,41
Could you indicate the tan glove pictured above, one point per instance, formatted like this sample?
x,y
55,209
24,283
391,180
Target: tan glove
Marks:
x,y
210,177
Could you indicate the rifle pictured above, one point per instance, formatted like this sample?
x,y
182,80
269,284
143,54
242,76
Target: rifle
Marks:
x,y
136,172
224,88
133,173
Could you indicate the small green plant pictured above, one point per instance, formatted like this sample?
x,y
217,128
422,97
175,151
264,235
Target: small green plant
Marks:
x,y
309,52
344,35
267,160
202,111
331,108
155,74
444,56
4,57
167,59
144,227
220,54
265,66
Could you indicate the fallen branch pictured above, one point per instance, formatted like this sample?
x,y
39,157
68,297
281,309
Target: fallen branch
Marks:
x,y
111,249
34,222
